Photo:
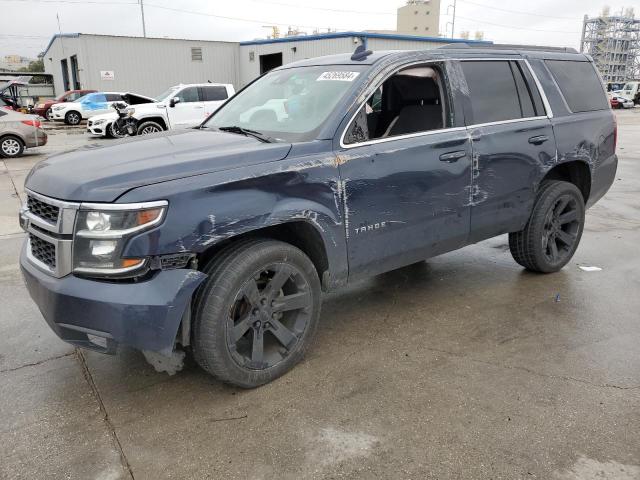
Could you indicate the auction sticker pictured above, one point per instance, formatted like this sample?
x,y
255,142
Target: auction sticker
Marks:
x,y
338,76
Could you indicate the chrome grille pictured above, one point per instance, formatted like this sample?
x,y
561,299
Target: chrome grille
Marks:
x,y
49,223
43,210
43,251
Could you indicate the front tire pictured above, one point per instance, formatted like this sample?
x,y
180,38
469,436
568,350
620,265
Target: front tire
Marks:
x,y
49,115
257,313
72,118
11,147
553,232
147,128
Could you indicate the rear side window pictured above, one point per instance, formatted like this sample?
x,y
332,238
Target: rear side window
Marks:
x,y
214,93
494,92
579,84
114,97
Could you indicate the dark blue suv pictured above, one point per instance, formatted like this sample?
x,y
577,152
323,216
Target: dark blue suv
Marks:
x,y
220,239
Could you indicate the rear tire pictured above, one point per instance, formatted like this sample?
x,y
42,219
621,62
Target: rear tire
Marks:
x,y
149,127
257,313
553,232
11,147
72,118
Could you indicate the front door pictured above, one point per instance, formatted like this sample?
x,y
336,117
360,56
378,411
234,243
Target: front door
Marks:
x,y
512,140
405,200
189,111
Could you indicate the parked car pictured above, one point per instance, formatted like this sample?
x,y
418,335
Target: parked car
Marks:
x,y
44,108
621,102
630,91
221,238
19,131
181,106
72,113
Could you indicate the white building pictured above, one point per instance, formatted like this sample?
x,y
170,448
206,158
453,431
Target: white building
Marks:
x,y
150,65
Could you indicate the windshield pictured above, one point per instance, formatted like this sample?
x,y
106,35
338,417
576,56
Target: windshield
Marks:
x,y
82,98
628,87
289,104
166,94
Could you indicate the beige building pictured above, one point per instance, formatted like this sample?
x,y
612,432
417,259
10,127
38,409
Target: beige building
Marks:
x,y
419,17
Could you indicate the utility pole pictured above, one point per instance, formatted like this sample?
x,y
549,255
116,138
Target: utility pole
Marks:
x,y
453,22
144,28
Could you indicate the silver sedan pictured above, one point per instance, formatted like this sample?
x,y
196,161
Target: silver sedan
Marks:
x,y
19,131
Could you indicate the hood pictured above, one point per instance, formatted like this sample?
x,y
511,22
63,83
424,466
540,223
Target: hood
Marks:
x,y
99,173
104,116
137,99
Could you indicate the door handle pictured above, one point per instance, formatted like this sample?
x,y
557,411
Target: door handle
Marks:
x,y
539,140
453,157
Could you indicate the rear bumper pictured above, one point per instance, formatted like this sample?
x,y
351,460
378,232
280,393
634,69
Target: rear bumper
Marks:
x,y
604,174
144,315
37,140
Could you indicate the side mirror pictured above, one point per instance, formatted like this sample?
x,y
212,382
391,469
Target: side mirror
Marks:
x,y
65,99
174,101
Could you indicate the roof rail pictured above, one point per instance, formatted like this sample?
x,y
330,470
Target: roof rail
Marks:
x,y
504,46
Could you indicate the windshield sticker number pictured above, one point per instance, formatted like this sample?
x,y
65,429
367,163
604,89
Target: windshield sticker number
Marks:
x,y
338,76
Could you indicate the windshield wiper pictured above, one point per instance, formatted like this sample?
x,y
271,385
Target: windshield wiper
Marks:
x,y
248,133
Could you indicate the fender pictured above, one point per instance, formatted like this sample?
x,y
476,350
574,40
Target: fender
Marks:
x,y
209,209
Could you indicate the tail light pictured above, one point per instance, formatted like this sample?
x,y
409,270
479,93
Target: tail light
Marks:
x,y
33,123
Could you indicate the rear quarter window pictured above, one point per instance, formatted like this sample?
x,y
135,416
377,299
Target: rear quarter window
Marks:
x,y
580,85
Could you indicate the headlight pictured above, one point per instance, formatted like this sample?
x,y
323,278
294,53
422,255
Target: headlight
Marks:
x,y
101,232
58,107
99,122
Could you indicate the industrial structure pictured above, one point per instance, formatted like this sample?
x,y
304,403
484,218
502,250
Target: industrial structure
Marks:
x,y
150,65
419,17
614,43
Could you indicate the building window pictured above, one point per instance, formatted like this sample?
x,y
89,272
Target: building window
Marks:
x,y
428,12
196,54
415,28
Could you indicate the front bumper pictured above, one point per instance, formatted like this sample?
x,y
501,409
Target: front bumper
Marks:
x,y
58,115
98,130
144,315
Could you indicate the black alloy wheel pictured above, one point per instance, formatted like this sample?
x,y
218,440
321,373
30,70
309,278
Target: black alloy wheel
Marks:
x,y
256,314
269,314
552,234
561,229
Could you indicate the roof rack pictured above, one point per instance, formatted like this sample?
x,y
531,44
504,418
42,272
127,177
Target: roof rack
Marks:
x,y
504,46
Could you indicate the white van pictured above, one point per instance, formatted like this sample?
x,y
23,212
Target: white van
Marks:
x,y
181,106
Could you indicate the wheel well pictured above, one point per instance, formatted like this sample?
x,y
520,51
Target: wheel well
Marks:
x,y
12,135
576,172
159,120
299,234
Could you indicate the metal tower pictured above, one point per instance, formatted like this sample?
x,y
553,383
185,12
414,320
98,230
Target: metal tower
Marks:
x,y
614,44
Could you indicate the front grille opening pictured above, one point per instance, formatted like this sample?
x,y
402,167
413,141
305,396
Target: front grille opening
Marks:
x,y
43,210
43,251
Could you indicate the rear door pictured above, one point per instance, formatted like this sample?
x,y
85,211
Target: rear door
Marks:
x,y
189,111
213,97
512,141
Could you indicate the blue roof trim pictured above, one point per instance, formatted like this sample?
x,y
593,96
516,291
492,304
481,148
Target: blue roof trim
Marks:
x,y
59,35
387,36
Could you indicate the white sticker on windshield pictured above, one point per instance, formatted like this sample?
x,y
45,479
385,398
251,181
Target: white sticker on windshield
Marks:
x,y
338,76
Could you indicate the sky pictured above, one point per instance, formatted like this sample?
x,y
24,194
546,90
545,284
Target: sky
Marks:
x,y
28,25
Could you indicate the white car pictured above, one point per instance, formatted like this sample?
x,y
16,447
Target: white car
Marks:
x,y
72,113
181,106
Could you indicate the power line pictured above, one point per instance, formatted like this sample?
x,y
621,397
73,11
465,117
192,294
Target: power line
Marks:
x,y
78,2
205,14
518,27
519,12
336,10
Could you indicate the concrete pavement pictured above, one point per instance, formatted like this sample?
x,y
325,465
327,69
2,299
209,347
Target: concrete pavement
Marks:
x,y
461,367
